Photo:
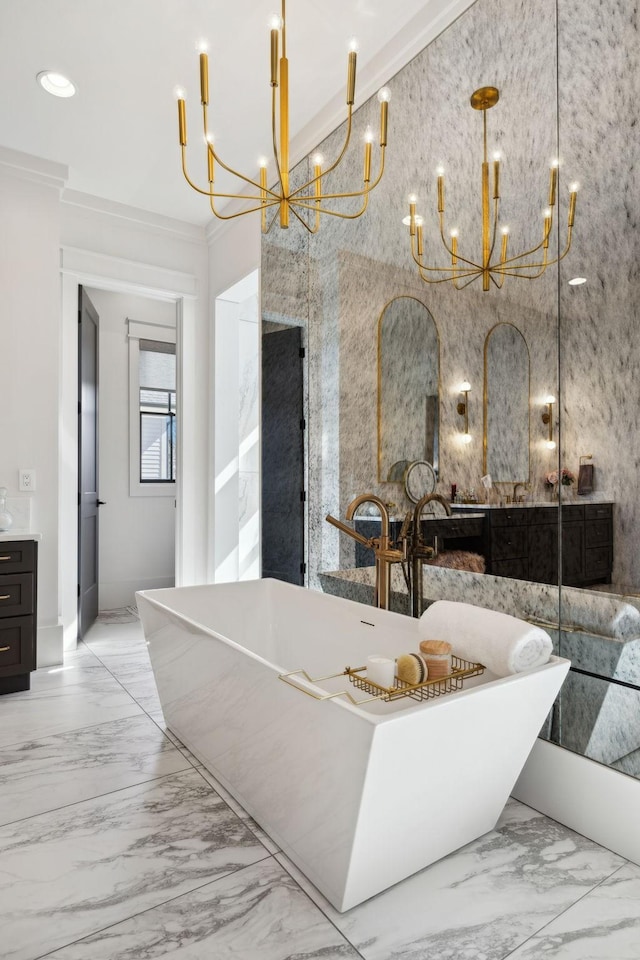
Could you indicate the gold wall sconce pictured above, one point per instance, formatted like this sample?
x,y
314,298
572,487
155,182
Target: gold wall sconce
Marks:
x,y
463,409
547,418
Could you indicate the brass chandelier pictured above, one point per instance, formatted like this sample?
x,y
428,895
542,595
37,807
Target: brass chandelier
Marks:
x,y
309,198
462,271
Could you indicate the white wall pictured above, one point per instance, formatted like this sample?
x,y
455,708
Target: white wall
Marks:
x,y
236,480
29,361
137,534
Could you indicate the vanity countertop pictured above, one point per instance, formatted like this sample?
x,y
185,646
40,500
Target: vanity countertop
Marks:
x,y
19,535
528,504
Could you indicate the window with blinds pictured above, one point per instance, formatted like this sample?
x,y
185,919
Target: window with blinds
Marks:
x,y
157,400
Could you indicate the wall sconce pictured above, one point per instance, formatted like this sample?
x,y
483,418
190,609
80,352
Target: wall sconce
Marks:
x,y
463,409
547,417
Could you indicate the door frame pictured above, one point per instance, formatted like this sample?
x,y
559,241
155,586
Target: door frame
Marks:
x,y
81,267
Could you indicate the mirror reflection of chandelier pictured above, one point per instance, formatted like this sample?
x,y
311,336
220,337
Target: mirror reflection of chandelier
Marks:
x,y
308,201
493,269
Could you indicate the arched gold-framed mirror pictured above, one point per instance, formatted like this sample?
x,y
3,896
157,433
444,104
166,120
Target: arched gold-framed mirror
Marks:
x,y
408,387
506,433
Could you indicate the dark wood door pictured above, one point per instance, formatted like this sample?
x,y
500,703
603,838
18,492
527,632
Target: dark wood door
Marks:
x,y
88,502
282,456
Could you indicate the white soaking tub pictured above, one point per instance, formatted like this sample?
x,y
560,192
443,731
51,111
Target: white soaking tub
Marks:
x,y
359,797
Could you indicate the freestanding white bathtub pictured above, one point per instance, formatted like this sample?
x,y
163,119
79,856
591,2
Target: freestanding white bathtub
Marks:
x,y
359,797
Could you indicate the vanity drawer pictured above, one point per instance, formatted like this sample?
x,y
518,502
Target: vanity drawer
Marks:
x,y
598,532
572,511
452,527
516,569
510,518
543,515
508,542
17,556
16,645
16,595
598,562
597,511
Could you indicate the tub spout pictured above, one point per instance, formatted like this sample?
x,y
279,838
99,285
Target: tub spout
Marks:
x,y
420,551
385,554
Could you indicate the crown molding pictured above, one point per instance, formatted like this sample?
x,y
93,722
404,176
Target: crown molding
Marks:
x,y
155,222
36,169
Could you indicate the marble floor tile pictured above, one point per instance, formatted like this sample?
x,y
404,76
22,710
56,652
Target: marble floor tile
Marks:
x,y
36,714
42,775
257,830
604,925
480,902
71,873
257,913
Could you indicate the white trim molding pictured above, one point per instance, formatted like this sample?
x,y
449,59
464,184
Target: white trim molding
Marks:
x,y
590,798
27,167
129,276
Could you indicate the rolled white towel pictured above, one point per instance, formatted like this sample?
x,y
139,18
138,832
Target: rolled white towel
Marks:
x,y
504,644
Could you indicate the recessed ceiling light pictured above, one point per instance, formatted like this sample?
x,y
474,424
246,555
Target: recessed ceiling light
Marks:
x,y
55,83
577,281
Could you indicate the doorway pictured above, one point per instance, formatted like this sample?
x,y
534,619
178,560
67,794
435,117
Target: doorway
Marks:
x,y
136,546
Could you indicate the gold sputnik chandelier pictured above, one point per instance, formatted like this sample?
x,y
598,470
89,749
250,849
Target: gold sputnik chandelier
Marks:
x,y
462,271
309,198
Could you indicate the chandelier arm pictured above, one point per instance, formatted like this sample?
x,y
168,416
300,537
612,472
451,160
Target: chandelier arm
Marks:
x,y
240,213
473,276
214,193
450,251
301,219
240,176
474,268
336,162
332,213
527,253
355,193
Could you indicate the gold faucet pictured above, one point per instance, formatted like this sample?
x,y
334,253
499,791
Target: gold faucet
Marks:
x,y
517,498
420,551
385,554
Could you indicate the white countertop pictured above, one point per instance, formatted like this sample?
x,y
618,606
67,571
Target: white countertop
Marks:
x,y
19,535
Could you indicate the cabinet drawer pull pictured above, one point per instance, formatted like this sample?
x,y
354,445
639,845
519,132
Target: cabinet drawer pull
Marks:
x,y
6,596
5,558
4,649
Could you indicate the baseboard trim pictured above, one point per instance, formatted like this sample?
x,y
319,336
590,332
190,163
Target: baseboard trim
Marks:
x,y
590,798
50,646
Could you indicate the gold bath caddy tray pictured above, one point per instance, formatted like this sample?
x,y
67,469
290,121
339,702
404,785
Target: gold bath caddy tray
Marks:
x,y
461,671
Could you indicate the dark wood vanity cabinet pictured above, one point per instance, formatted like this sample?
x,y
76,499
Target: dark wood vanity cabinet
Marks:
x,y
18,586
522,542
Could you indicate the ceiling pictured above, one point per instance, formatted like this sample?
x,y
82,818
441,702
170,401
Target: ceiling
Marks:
x,y
118,135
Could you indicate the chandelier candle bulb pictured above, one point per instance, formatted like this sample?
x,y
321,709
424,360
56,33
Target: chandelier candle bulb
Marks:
x,y
547,228
440,191
505,241
572,204
367,161
182,123
553,182
274,57
204,79
351,78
